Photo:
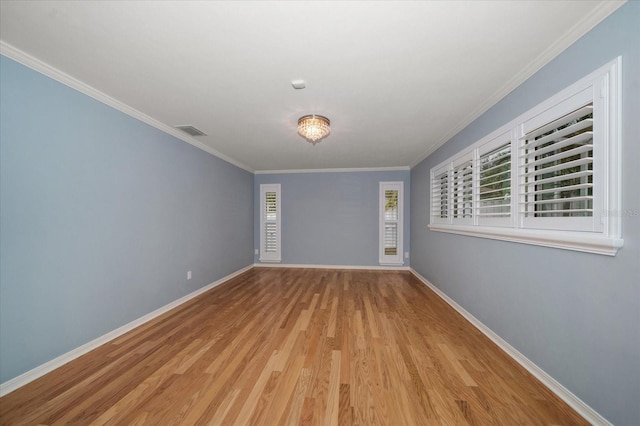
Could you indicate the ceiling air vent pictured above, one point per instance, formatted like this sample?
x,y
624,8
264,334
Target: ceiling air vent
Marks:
x,y
187,128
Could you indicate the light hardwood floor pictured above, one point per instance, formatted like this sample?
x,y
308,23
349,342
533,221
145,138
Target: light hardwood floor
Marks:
x,y
296,346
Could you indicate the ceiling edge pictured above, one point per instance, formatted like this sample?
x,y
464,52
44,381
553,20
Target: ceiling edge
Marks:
x,y
572,35
337,170
29,61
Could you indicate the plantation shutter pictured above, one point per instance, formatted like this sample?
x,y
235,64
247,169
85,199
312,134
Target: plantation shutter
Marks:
x,y
440,195
493,186
391,223
270,223
462,190
556,172
550,177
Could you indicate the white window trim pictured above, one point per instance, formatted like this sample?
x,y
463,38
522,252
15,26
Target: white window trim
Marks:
x,y
397,259
606,84
264,256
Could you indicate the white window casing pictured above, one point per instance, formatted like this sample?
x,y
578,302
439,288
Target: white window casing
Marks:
x,y
391,202
550,177
270,223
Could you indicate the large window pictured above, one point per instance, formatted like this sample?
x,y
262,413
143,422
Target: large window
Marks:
x,y
550,177
270,224
390,245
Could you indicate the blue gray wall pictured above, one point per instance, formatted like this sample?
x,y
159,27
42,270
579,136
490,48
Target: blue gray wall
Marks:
x,y
576,315
331,218
101,216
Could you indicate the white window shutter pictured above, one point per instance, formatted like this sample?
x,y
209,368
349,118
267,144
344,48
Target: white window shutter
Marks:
x,y
550,177
461,191
494,181
440,187
270,223
391,206
557,168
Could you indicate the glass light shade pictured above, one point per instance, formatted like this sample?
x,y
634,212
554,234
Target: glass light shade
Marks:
x,y
314,127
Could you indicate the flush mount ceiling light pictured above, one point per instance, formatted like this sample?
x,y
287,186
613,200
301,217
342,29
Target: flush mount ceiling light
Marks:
x,y
314,127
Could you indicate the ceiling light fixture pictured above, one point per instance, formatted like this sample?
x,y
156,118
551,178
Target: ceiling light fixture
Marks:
x,y
314,127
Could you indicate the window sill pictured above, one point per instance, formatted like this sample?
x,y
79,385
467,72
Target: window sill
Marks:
x,y
578,241
390,263
270,260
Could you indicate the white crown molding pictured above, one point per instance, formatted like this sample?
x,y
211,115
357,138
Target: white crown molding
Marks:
x,y
579,29
310,266
554,386
347,170
29,61
35,373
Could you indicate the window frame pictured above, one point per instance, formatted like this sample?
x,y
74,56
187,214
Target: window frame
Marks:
x,y
602,88
265,256
398,258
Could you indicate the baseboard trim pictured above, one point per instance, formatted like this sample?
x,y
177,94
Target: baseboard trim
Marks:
x,y
359,267
554,386
35,373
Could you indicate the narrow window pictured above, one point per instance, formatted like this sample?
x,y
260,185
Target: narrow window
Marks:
x,y
391,201
270,223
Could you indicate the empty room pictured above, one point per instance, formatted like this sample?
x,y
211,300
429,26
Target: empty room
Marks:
x,y
318,212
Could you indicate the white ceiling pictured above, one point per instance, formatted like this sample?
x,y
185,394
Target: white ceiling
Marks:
x,y
397,79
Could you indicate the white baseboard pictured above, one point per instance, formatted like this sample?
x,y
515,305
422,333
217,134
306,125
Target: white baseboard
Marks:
x,y
31,375
554,386
359,267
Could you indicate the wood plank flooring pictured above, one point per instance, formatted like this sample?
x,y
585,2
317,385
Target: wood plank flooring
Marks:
x,y
296,346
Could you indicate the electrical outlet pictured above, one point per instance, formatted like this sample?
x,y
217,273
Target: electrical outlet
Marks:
x,y
406,254
256,252
188,275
